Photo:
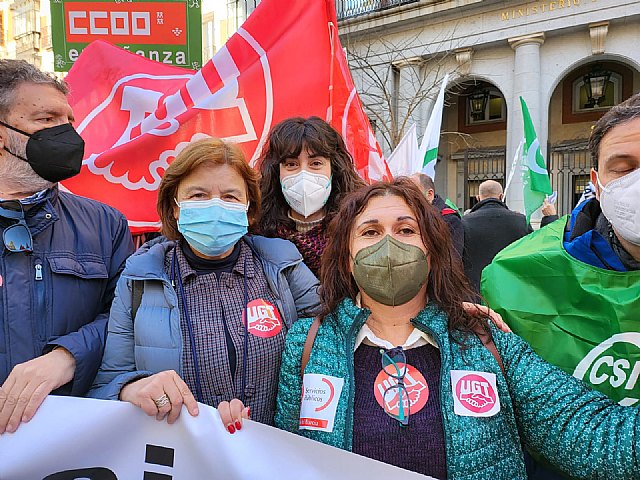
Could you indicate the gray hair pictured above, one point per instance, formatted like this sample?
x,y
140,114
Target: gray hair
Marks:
x,y
621,113
14,73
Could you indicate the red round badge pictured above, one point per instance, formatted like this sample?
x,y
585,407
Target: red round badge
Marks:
x,y
264,318
415,384
475,393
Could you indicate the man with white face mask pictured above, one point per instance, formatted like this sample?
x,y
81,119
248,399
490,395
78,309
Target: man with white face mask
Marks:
x,y
580,311
615,145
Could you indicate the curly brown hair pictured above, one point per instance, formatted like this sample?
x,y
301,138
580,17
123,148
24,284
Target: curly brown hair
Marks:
x,y
447,285
286,140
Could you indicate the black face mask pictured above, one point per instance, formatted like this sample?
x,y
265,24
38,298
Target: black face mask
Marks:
x,y
54,153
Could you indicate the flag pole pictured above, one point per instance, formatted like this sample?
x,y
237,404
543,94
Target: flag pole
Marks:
x,y
514,164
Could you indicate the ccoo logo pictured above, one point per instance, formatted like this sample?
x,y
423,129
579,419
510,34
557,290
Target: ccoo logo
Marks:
x,y
613,367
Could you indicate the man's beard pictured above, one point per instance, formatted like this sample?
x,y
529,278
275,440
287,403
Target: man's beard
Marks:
x,y
16,174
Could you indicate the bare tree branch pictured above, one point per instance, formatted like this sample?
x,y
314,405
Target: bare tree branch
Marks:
x,y
394,81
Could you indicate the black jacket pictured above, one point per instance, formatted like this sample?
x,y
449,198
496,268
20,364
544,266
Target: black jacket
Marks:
x,y
488,228
452,217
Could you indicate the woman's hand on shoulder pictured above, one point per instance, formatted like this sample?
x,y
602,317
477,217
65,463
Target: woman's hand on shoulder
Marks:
x,y
161,395
477,310
232,413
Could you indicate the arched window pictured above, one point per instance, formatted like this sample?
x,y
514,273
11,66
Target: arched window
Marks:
x,y
612,94
481,107
490,108
577,107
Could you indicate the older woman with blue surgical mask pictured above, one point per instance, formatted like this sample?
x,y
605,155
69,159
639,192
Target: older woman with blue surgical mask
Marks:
x,y
202,313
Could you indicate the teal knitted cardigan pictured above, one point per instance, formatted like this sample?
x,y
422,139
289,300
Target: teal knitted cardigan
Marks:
x,y
579,430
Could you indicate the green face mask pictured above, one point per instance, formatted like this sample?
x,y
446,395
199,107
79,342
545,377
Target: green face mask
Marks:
x,y
390,272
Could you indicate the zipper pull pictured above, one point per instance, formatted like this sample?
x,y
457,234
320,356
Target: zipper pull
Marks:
x,y
38,271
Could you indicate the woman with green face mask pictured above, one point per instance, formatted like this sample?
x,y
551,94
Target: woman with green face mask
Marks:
x,y
396,370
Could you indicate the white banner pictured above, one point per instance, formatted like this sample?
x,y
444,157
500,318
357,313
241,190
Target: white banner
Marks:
x,y
77,438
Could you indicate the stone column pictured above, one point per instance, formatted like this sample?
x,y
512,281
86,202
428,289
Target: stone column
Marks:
x,y
526,84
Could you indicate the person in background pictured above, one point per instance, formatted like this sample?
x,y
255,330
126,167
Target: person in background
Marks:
x,y
210,304
393,359
450,215
488,228
61,254
549,213
305,171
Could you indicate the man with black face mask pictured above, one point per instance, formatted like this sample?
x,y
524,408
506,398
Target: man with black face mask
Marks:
x,y
60,255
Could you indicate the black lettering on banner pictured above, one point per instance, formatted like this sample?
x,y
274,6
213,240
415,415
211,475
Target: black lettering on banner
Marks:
x,y
95,473
157,455
156,476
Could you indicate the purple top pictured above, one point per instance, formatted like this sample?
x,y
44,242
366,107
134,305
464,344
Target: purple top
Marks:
x,y
418,447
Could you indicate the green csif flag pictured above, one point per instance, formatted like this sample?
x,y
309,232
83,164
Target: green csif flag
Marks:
x,y
535,176
583,319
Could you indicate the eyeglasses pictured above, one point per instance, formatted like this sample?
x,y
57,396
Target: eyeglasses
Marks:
x,y
395,398
17,237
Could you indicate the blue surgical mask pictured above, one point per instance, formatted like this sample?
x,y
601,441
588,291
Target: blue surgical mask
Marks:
x,y
212,226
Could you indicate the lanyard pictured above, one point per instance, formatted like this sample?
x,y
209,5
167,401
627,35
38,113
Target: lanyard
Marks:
x,y
175,273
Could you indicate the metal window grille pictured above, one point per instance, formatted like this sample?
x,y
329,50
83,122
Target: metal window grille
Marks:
x,y
480,165
569,172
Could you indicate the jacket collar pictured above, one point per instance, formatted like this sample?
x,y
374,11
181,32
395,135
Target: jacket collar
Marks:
x,y
42,212
583,239
431,319
490,203
147,263
149,260
244,259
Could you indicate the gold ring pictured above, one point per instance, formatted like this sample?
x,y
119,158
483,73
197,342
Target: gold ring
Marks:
x,y
162,401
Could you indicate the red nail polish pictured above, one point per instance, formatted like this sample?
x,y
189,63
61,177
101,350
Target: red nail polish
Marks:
x,y
238,425
248,411
231,428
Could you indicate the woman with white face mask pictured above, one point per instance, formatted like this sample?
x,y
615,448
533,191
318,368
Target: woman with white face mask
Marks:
x,y
306,170
189,292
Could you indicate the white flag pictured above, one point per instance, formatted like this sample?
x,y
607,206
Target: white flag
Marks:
x,y
428,153
403,159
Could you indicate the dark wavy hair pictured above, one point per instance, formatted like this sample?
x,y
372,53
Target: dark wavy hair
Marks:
x,y
286,140
621,113
446,285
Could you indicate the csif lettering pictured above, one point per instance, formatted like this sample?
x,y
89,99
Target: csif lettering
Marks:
x,y
617,372
613,367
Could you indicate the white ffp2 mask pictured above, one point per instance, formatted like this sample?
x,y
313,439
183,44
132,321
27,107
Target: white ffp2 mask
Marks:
x,y
306,192
620,202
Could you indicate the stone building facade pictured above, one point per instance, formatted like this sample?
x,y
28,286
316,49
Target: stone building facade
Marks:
x,y
547,52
